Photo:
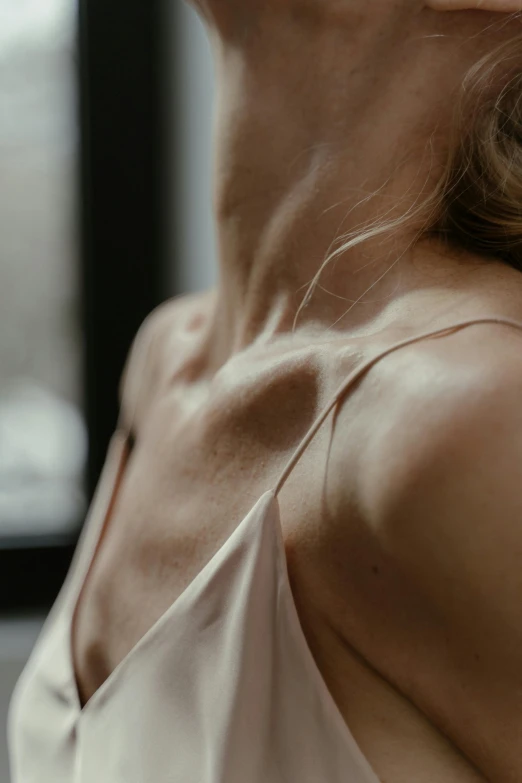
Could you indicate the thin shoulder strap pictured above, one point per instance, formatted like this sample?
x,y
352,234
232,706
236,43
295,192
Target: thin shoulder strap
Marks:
x,y
358,372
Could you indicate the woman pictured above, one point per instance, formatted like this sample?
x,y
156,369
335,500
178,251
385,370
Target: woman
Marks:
x,y
302,563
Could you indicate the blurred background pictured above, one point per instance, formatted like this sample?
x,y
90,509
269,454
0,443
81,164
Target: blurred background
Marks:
x,y
105,211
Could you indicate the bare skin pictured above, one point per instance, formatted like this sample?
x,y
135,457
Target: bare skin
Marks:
x,y
226,390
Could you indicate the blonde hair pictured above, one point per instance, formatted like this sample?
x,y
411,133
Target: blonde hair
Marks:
x,y
481,196
476,204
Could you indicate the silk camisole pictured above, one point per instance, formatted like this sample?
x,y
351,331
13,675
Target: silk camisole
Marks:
x,y
223,688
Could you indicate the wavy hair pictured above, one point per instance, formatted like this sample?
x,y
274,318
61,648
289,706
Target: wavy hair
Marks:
x,y
476,204
481,195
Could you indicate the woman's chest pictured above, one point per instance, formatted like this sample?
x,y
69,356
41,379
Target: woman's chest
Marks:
x,y
143,567
185,489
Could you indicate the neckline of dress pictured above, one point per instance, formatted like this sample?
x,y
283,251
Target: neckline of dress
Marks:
x,y
154,633
155,629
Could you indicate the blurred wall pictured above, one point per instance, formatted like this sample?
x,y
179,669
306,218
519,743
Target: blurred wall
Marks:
x,y
193,238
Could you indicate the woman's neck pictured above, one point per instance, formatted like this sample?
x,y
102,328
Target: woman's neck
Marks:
x,y
324,124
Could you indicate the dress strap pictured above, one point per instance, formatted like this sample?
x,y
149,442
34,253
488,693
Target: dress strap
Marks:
x,y
359,371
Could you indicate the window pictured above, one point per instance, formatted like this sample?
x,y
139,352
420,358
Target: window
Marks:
x,y
84,148
42,433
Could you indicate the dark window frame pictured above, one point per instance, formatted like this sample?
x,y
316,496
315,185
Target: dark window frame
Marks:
x,y
124,172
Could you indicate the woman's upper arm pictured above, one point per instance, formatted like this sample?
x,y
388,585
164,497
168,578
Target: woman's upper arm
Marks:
x,y
453,524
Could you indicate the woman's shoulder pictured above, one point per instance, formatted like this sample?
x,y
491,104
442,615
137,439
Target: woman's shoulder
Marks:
x,y
424,399
157,343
